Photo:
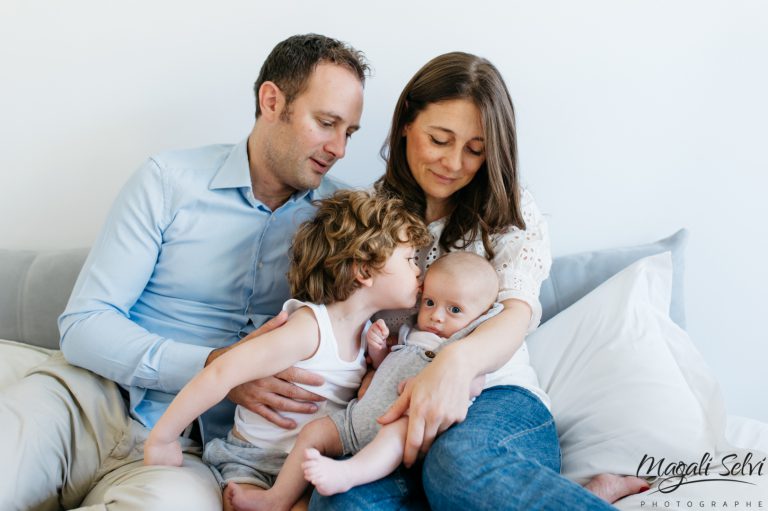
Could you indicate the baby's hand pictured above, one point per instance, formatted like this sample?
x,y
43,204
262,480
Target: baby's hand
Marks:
x,y
156,453
377,336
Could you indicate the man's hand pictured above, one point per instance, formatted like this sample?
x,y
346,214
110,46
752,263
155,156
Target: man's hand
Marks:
x,y
268,396
157,453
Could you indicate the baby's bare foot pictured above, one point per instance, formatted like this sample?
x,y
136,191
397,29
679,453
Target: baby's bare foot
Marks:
x,y
611,487
329,476
250,498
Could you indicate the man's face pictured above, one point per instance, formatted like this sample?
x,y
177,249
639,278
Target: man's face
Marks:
x,y
305,143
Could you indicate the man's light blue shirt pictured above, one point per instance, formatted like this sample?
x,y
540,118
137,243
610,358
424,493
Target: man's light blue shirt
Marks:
x,y
188,261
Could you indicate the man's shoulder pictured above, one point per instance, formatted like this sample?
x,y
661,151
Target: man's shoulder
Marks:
x,y
209,157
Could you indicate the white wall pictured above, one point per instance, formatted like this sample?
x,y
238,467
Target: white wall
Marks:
x,y
635,118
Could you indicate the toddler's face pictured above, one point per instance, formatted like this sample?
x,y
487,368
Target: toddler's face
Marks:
x,y
448,304
397,285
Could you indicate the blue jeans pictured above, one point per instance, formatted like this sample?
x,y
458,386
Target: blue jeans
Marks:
x,y
505,455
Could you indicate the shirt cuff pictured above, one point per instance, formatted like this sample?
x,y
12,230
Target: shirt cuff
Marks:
x,y
180,362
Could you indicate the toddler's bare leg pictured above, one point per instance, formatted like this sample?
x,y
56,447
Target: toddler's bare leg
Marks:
x,y
320,434
374,461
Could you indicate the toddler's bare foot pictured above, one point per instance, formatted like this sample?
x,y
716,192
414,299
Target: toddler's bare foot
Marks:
x,y
611,487
328,475
247,497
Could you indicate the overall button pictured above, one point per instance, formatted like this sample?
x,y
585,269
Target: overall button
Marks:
x,y
430,354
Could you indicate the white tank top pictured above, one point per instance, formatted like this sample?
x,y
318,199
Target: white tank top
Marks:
x,y
342,379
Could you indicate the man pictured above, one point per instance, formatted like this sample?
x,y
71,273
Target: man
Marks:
x,y
191,259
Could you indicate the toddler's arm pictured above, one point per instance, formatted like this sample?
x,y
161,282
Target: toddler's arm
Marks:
x,y
257,358
376,339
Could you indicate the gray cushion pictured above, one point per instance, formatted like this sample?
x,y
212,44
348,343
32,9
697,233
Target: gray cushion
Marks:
x,y
573,276
35,286
34,289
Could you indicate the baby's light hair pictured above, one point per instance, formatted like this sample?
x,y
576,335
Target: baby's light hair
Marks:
x,y
471,268
353,233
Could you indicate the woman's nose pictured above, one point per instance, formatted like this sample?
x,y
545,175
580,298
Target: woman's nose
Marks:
x,y
452,160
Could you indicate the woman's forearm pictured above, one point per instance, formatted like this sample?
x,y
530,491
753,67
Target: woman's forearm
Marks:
x,y
494,342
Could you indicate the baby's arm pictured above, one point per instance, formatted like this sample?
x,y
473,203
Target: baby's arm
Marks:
x,y
376,339
260,357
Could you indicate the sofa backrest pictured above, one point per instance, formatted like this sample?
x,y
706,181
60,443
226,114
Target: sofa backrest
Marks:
x,y
35,286
34,289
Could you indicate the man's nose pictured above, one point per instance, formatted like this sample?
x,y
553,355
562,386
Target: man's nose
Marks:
x,y
337,146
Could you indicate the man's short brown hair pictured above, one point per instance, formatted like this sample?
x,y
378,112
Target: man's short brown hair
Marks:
x,y
292,61
353,233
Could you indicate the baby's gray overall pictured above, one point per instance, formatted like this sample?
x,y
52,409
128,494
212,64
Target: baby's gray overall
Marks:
x,y
357,423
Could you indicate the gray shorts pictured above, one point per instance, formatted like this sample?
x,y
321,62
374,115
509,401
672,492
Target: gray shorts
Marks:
x,y
238,461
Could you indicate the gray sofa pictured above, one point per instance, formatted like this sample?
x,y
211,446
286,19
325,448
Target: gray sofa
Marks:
x,y
35,285
34,289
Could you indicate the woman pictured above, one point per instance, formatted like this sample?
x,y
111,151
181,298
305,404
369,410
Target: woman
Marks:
x,y
452,157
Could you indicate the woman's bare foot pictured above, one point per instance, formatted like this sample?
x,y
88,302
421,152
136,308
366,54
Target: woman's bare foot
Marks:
x,y
611,487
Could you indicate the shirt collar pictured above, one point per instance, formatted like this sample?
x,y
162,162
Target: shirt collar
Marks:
x,y
235,172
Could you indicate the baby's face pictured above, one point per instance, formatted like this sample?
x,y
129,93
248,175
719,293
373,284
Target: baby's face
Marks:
x,y
448,304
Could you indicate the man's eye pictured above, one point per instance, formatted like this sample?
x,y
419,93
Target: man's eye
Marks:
x,y
326,124
455,310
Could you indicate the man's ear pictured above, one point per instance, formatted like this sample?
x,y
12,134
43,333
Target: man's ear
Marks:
x,y
271,100
360,276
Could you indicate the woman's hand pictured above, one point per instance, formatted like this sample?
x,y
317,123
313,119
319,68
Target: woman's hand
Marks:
x,y
269,396
435,399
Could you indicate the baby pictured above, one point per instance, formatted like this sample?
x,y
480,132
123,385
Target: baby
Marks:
x,y
458,294
355,258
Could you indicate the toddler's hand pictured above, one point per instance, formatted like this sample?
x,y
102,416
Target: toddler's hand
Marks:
x,y
377,336
156,453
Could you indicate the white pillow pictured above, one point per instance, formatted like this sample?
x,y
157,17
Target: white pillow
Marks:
x,y
624,380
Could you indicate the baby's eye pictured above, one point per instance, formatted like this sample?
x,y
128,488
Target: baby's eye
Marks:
x,y
429,302
455,310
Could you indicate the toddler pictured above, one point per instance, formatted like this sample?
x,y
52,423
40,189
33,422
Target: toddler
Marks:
x,y
355,258
458,294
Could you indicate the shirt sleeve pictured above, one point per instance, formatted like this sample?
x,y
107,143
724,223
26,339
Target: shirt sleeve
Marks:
x,y
523,258
97,332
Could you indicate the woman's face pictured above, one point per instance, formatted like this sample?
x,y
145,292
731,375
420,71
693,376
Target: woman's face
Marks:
x,y
445,147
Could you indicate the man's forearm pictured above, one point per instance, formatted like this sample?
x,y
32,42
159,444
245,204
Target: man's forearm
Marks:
x,y
118,349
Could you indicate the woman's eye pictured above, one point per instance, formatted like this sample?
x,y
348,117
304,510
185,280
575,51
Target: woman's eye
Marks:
x,y
474,152
455,310
438,142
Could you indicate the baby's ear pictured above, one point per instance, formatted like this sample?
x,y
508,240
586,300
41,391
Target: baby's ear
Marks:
x,y
362,274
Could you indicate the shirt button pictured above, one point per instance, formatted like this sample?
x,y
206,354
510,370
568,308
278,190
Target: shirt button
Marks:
x,y
430,354
261,265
